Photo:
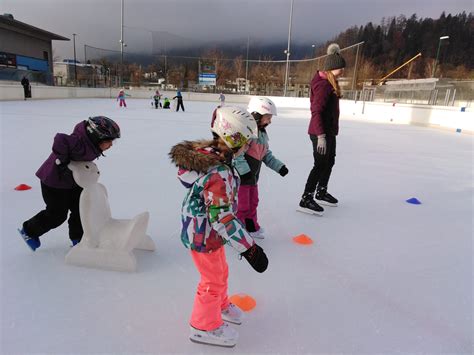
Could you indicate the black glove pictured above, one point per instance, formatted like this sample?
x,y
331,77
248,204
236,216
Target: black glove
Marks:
x,y
283,171
256,258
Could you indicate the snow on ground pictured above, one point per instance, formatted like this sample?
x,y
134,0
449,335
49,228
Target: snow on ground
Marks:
x,y
383,276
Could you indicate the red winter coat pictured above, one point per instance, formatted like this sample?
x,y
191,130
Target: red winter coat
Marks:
x,y
324,107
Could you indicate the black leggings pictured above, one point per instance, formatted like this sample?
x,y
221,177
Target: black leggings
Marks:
x,y
58,203
322,168
180,104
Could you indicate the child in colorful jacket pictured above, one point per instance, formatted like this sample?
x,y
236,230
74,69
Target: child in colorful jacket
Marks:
x,y
249,165
121,96
60,192
209,222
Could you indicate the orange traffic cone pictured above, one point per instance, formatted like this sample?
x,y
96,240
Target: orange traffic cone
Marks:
x,y
22,187
303,239
243,301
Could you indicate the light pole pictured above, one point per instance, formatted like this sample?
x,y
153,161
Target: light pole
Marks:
x,y
287,51
122,44
75,67
313,54
247,66
437,54
354,76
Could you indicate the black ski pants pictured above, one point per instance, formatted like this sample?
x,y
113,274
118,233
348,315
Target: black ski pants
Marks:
x,y
179,104
322,168
58,203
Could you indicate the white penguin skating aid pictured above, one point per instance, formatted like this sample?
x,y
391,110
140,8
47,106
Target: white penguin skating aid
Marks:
x,y
107,243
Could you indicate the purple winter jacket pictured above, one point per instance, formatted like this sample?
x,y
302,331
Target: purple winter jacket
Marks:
x,y
76,146
324,107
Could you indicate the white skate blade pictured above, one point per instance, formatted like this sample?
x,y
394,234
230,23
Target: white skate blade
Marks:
x,y
325,203
308,211
227,319
201,341
228,337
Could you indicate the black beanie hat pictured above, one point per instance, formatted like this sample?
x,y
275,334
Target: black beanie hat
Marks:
x,y
334,59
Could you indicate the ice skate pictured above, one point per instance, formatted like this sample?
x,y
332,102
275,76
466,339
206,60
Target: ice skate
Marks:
x,y
33,243
325,198
223,336
233,314
308,205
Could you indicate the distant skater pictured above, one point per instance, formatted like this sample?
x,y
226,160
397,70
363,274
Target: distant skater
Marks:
x,y
26,87
121,97
156,99
180,101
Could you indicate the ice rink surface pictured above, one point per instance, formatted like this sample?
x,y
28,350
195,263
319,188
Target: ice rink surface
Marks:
x,y
383,276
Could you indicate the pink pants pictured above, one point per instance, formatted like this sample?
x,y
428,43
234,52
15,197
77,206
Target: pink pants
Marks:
x,y
211,296
248,203
122,102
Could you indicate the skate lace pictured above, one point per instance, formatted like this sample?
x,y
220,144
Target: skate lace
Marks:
x,y
219,331
230,309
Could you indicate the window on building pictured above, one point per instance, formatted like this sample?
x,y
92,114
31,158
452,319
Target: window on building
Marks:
x,y
45,55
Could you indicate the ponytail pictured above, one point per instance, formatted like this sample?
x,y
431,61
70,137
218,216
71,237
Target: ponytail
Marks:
x,y
334,83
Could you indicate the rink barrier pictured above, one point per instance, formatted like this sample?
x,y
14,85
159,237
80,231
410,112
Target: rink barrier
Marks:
x,y
456,119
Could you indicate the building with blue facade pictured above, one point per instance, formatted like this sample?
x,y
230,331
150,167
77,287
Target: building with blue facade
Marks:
x,y
26,50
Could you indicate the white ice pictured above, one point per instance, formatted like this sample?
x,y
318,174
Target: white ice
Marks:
x,y
383,276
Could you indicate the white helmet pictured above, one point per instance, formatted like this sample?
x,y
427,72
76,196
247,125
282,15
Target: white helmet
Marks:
x,y
234,125
262,105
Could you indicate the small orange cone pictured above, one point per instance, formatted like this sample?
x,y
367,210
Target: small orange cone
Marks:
x,y
243,301
303,239
22,187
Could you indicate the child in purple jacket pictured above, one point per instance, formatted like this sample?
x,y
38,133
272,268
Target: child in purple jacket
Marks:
x,y
61,194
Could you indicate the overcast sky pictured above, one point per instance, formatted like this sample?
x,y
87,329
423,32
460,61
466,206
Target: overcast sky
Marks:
x,y
97,22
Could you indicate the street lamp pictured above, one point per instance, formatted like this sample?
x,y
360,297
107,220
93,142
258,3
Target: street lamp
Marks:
x,y
122,44
75,67
287,51
437,54
313,54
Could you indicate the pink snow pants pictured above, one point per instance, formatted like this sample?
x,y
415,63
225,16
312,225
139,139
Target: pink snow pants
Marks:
x,y
211,296
248,203
122,102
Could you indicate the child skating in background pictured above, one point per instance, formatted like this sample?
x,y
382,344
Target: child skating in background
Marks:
x,y
156,99
249,165
87,142
121,97
166,103
179,104
209,221
221,99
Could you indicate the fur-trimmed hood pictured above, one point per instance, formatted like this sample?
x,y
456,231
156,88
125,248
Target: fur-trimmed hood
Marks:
x,y
195,155
194,159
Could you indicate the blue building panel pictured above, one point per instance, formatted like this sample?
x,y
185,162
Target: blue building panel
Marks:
x,y
32,63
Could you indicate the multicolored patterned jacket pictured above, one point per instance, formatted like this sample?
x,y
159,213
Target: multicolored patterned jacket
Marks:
x,y
209,209
251,162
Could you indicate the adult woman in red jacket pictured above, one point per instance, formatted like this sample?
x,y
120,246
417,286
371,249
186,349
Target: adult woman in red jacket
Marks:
x,y
323,129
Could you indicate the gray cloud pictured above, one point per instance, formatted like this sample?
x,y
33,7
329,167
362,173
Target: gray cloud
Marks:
x,y
97,22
